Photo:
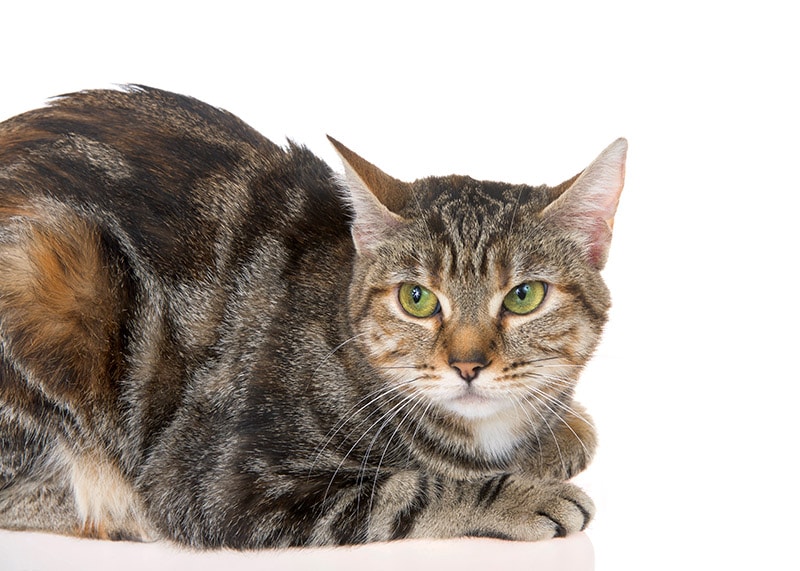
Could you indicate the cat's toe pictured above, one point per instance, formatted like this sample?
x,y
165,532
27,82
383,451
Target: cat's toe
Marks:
x,y
567,510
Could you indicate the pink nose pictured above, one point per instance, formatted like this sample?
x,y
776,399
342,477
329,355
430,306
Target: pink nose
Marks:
x,y
468,371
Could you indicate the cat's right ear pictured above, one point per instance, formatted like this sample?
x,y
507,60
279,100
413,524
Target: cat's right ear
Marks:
x,y
587,203
375,198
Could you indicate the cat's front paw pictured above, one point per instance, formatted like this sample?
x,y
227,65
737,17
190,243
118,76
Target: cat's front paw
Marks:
x,y
564,509
537,510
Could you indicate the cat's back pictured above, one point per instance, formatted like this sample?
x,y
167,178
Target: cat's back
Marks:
x,y
142,235
181,183
139,228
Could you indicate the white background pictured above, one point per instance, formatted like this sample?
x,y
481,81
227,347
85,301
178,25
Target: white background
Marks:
x,y
694,388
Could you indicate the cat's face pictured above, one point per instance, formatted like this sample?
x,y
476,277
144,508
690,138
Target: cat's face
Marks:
x,y
475,313
480,298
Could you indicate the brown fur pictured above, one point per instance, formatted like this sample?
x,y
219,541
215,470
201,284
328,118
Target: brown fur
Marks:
x,y
57,303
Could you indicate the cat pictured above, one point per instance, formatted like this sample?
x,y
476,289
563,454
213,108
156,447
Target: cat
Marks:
x,y
211,339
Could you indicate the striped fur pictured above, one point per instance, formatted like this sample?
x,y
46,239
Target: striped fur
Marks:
x,y
201,339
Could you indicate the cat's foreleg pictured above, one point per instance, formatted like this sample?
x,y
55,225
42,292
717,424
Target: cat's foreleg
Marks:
x,y
507,507
563,447
411,504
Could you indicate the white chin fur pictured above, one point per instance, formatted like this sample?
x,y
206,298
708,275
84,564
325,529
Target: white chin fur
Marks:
x,y
495,423
474,407
472,402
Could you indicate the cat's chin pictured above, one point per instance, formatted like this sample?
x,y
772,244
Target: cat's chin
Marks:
x,y
472,406
494,422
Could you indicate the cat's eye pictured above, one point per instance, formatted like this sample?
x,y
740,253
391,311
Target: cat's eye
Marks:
x,y
525,297
418,301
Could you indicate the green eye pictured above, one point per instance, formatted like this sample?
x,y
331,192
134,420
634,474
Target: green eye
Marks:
x,y
525,297
418,301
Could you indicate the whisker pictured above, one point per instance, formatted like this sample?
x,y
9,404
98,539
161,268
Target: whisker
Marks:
x,y
518,364
518,402
414,434
570,410
557,382
364,462
333,351
386,448
554,400
550,429
558,365
371,398
360,438
389,417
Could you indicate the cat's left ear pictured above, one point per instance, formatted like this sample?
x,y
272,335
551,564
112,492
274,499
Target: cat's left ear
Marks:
x,y
375,198
586,208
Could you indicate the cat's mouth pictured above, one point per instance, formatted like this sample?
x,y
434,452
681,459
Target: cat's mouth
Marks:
x,y
474,404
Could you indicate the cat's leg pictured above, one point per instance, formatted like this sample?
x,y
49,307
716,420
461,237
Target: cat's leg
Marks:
x,y
37,506
565,447
61,301
507,507
31,495
352,506
46,485
410,504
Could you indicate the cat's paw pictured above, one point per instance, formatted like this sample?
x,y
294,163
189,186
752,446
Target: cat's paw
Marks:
x,y
560,510
537,510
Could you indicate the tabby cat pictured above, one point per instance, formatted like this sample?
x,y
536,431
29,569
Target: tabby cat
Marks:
x,y
211,339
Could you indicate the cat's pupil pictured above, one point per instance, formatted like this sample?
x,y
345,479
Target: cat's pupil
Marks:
x,y
523,291
416,294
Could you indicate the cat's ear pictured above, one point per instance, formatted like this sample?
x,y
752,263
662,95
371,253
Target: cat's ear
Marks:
x,y
375,198
586,207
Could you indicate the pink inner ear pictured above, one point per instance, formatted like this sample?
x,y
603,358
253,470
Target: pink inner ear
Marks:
x,y
371,228
599,232
586,214
373,221
589,205
593,222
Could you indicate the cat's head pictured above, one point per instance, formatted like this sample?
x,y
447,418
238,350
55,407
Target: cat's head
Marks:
x,y
479,297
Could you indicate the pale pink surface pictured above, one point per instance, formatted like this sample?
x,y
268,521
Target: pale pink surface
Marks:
x,y
24,551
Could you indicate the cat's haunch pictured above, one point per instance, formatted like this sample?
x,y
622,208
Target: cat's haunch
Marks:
x,y
211,339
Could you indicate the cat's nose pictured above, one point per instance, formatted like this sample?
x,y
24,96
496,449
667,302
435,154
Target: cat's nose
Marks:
x,y
468,370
